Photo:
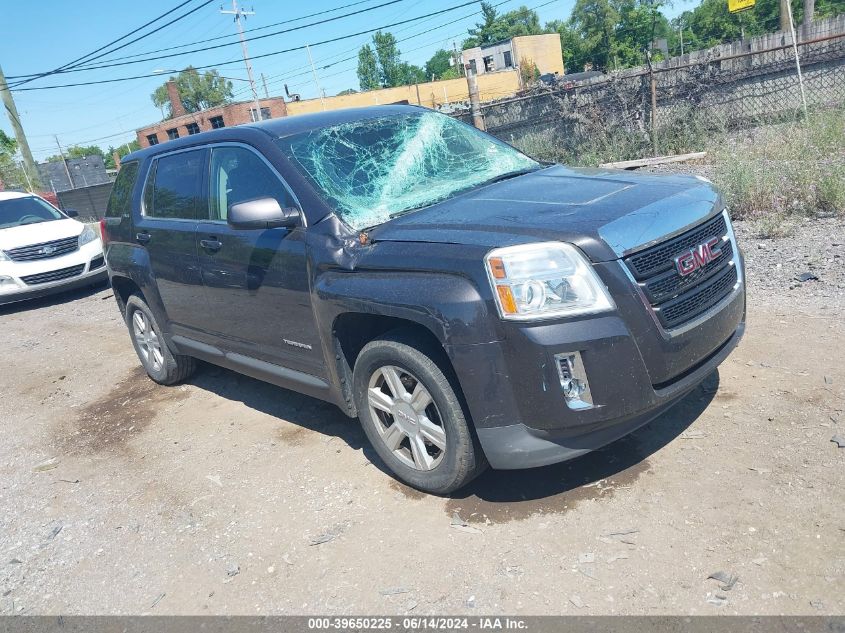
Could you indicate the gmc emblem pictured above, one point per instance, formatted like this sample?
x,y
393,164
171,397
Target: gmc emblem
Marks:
x,y
698,256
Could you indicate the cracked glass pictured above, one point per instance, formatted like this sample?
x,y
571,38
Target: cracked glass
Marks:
x,y
374,169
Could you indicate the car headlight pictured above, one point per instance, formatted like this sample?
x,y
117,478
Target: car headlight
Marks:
x,y
548,279
4,257
88,235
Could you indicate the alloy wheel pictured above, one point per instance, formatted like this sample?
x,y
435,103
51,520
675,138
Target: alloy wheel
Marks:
x,y
406,418
148,341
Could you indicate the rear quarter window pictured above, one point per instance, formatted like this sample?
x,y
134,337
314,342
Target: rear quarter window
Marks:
x,y
120,201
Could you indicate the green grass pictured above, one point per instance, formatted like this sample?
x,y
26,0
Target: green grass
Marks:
x,y
785,171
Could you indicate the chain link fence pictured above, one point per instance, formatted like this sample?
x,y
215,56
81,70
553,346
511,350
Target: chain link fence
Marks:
x,y
675,105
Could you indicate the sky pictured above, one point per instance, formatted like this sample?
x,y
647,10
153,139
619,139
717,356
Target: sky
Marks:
x,y
50,33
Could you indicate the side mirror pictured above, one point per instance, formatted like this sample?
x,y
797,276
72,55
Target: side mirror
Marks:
x,y
262,213
71,213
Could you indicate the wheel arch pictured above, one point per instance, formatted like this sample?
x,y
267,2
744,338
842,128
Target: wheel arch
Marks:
x,y
123,288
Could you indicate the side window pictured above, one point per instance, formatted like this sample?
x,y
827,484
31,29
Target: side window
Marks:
x,y
120,200
174,187
238,175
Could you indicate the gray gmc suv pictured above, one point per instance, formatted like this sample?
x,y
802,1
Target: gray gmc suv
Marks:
x,y
469,305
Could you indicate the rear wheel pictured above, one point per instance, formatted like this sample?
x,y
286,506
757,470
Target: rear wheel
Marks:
x,y
412,415
162,365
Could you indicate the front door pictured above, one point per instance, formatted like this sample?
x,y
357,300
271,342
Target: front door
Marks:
x,y
256,281
174,200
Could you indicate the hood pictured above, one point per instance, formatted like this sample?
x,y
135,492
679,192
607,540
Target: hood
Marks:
x,y
606,213
28,234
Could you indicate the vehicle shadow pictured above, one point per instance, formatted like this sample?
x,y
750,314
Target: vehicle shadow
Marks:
x,y
561,485
59,298
498,494
298,409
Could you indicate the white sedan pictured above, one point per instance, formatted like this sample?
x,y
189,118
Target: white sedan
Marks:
x,y
43,251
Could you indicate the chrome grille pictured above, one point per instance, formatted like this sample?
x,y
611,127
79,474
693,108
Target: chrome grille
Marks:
x,y
700,300
53,275
674,298
44,250
658,258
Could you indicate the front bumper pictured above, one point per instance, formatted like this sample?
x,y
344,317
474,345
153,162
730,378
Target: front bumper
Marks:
x,y
88,259
520,446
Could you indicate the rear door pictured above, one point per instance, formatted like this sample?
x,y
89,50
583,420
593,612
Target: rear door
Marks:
x,y
174,200
256,281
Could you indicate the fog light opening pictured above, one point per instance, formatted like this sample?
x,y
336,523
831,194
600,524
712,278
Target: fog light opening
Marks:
x,y
573,380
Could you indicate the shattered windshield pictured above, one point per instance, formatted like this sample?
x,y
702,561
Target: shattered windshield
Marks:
x,y
374,169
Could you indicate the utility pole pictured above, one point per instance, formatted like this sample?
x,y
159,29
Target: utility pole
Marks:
x,y
314,72
264,81
785,14
809,11
797,60
64,160
474,100
457,58
30,170
241,14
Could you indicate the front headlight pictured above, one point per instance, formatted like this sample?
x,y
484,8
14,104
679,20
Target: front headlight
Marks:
x,y
4,257
549,279
88,235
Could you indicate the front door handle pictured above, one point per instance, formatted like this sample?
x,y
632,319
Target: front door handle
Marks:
x,y
212,244
143,238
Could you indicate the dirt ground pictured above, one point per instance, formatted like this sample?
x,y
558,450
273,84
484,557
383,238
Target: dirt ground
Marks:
x,y
230,496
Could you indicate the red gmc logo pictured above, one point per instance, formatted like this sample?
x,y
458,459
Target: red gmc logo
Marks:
x,y
698,256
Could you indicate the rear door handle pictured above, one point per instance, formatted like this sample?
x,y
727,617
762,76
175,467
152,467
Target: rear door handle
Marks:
x,y
211,244
143,238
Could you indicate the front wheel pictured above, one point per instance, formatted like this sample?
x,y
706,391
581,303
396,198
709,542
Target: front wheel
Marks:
x,y
413,416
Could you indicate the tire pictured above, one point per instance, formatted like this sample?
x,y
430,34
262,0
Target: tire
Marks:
x,y
426,444
162,365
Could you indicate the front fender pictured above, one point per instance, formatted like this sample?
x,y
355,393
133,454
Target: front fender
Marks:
x,y
447,305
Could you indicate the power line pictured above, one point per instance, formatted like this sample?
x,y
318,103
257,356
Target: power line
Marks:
x,y
230,61
88,57
216,46
279,78
224,37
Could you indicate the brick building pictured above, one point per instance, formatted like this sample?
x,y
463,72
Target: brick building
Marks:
x,y
185,124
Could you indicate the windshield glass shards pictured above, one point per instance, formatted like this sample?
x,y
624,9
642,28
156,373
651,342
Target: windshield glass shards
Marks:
x,y
373,169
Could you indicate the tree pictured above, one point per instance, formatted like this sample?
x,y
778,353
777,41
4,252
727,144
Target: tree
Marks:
x,y
11,174
389,61
608,34
8,145
439,65
367,68
497,28
595,21
572,46
348,91
122,151
197,91
408,74
78,151
381,66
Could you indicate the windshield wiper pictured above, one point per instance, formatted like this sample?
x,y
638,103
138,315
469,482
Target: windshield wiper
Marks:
x,y
396,214
511,174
